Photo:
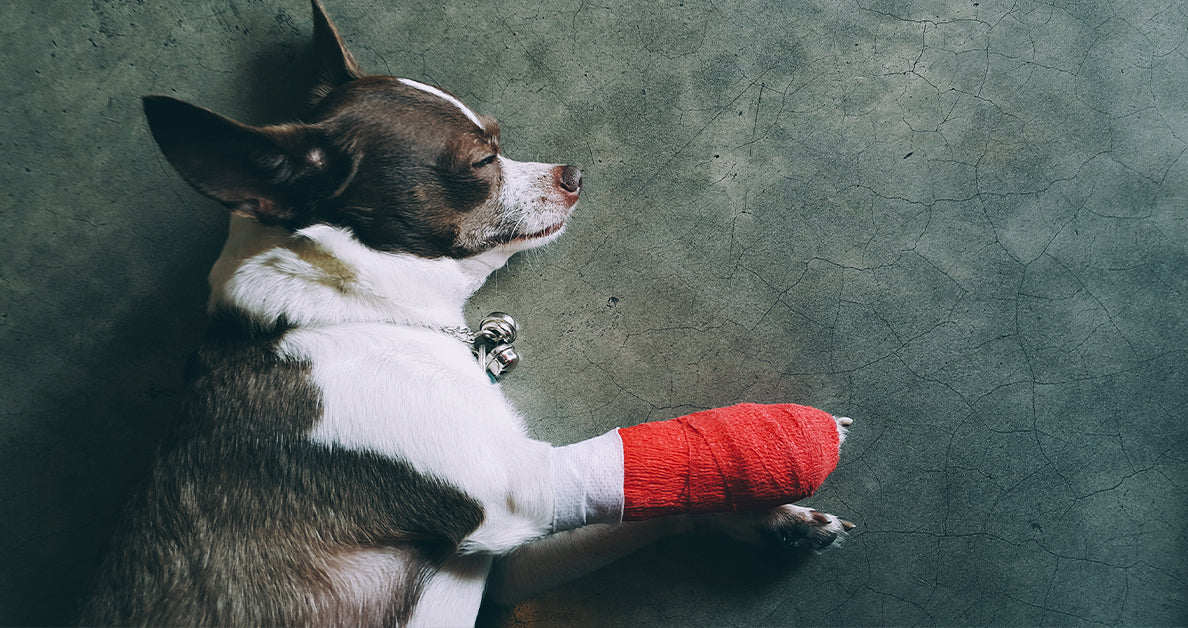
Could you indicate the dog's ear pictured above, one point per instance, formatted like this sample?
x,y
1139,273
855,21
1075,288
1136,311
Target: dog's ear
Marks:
x,y
335,63
274,174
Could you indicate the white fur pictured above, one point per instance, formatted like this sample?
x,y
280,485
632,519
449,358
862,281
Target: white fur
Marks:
x,y
531,189
453,595
444,96
361,580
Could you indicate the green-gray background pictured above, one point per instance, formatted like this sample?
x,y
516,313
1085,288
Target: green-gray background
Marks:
x,y
962,223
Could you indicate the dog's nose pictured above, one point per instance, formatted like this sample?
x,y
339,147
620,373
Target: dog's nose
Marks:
x,y
570,179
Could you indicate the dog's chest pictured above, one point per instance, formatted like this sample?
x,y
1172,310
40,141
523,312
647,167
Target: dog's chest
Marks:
x,y
406,392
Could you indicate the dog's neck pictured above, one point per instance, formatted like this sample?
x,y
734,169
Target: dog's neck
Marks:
x,y
322,275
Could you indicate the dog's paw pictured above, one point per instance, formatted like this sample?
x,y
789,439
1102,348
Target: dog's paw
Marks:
x,y
799,528
790,527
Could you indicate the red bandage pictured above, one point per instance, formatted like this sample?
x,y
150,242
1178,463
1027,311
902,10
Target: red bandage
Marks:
x,y
745,457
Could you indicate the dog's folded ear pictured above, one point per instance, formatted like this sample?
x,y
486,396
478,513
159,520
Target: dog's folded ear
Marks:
x,y
275,174
335,64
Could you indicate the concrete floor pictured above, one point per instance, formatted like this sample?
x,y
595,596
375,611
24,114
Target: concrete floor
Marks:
x,y
962,223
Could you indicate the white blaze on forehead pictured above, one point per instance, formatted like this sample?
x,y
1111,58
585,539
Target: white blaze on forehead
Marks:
x,y
440,94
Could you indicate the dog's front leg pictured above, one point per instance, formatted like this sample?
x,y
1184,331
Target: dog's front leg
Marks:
x,y
731,459
738,459
565,556
743,458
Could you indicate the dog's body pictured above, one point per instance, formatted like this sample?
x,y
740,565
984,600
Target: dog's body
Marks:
x,y
342,458
311,436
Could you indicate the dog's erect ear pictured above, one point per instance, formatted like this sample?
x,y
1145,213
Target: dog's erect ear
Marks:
x,y
335,63
273,174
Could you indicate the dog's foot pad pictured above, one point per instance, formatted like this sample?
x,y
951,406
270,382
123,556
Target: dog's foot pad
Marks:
x,y
799,528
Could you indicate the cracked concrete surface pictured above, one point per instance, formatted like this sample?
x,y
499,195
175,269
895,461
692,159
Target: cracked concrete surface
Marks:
x,y
962,223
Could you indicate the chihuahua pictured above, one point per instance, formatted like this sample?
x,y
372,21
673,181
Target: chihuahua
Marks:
x,y
343,455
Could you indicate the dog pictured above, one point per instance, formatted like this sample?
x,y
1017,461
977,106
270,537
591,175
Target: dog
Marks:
x,y
342,457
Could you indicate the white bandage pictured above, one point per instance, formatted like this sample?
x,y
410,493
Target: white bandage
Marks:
x,y
587,482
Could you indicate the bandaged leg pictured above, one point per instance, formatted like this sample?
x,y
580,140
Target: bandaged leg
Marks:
x,y
588,482
741,458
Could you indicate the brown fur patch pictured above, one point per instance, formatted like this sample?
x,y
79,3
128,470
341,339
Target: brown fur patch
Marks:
x,y
332,271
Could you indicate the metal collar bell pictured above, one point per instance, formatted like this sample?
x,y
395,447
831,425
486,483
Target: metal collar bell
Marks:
x,y
493,344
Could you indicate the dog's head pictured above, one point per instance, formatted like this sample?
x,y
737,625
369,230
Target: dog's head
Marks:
x,y
405,167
